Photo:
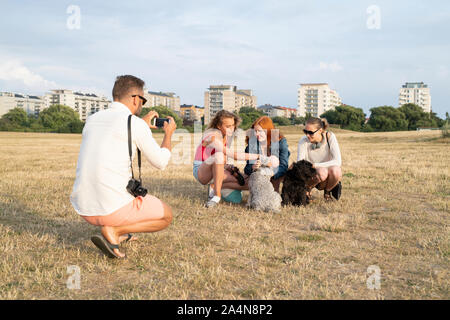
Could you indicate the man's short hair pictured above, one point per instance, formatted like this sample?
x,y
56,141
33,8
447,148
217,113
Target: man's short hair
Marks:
x,y
124,84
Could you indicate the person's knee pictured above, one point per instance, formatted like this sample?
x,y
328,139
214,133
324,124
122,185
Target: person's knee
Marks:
x,y
336,172
322,174
168,214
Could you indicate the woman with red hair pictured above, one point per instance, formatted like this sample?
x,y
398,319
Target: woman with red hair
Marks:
x,y
264,139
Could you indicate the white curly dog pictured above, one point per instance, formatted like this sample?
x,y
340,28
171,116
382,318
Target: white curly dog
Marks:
x,y
262,194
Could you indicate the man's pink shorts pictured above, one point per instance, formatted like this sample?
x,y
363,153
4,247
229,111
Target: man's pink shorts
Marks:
x,y
139,210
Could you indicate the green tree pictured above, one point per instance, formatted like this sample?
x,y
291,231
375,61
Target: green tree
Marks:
x,y
60,118
331,116
281,121
415,116
299,120
347,117
15,119
439,122
387,118
163,112
248,116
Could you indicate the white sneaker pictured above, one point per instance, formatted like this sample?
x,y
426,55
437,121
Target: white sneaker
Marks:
x,y
212,202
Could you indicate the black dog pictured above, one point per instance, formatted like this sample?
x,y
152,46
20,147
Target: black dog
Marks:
x,y
237,174
294,183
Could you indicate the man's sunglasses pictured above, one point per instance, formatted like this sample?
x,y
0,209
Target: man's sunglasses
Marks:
x,y
144,101
310,132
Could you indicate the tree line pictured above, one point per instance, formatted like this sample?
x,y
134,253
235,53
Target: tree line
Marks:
x,y
384,118
63,119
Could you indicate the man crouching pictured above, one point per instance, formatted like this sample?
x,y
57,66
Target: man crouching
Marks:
x,y
100,193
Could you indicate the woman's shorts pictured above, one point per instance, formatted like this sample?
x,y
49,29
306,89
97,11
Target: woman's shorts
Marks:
x,y
139,210
197,165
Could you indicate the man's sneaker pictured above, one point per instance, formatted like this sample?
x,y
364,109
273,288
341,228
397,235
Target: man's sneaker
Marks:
x,y
336,191
212,202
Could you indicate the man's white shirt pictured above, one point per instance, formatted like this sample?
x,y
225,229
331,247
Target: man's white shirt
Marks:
x,y
103,168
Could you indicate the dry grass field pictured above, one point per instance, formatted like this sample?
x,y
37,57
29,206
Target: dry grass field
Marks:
x,y
394,213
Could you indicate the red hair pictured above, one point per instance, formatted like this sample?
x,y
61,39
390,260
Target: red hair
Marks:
x,y
266,124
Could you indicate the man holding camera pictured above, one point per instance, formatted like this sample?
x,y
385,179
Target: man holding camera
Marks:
x,y
105,192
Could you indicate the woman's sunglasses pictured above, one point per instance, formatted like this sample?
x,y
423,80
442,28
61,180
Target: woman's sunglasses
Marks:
x,y
144,101
310,132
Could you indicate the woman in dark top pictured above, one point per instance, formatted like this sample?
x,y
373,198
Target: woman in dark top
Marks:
x,y
265,139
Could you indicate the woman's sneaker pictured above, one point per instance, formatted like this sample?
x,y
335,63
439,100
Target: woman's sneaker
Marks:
x,y
337,190
212,202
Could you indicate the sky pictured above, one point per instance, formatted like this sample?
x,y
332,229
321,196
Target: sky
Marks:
x,y
365,50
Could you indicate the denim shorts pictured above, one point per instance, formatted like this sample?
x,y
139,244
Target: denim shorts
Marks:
x,y
195,169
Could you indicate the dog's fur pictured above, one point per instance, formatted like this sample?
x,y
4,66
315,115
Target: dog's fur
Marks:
x,y
262,194
294,183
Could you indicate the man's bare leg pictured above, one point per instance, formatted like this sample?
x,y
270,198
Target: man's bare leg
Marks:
x,y
112,234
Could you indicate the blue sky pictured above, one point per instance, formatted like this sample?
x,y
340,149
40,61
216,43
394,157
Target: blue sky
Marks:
x,y
267,46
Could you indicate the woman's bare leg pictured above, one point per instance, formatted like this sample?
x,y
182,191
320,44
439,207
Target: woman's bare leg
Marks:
x,y
334,176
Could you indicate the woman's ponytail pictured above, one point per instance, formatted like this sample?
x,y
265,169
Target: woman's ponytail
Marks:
x,y
325,124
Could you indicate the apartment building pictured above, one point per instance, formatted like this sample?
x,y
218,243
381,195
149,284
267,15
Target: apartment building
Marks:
x,y
278,111
83,103
192,112
316,98
31,104
166,99
226,97
289,112
417,93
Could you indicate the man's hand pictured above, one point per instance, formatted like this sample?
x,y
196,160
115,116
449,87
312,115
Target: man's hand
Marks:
x,y
148,118
169,127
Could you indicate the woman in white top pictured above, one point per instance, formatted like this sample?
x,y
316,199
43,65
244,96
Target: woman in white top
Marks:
x,y
321,148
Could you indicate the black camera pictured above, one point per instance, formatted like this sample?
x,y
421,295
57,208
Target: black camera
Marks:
x,y
135,188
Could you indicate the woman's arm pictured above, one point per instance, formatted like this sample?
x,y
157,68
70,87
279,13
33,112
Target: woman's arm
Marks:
x,y
335,154
248,167
284,159
216,142
302,149
241,155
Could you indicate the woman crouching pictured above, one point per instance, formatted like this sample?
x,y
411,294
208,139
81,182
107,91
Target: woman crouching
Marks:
x,y
321,148
211,154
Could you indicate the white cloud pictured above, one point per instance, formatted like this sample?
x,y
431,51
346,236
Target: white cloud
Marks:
x,y
15,71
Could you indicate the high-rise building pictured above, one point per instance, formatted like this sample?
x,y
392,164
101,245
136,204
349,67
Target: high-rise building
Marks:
x,y
316,98
31,104
166,99
417,93
83,103
226,97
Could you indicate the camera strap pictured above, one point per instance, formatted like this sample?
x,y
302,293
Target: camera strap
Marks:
x,y
130,151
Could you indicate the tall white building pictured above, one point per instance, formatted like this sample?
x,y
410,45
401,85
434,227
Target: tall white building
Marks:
x,y
316,98
226,97
417,93
31,104
83,103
